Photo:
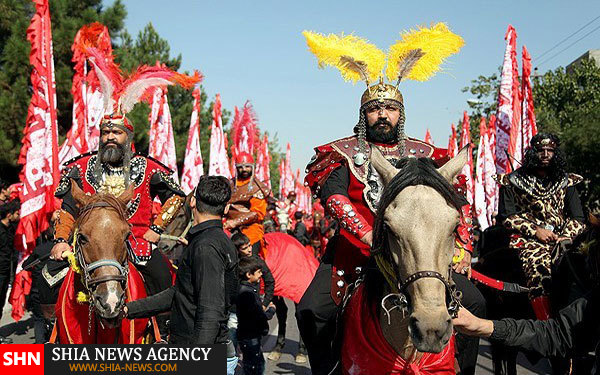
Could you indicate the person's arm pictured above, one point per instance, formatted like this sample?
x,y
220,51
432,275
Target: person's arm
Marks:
x,y
574,213
152,305
269,282
208,272
335,193
171,197
68,209
553,337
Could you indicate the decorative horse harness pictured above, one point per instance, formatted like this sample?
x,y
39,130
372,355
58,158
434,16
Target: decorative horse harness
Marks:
x,y
87,269
90,282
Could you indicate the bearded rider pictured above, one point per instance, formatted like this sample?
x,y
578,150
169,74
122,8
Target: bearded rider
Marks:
x,y
341,175
540,205
112,170
248,203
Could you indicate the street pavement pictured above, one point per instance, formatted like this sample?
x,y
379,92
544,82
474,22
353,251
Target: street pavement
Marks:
x,y
22,333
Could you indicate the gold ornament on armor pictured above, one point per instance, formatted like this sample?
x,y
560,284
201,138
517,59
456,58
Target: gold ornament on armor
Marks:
x,y
113,185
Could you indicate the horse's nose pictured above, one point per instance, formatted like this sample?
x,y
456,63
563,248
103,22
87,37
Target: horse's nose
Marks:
x,y
431,333
109,298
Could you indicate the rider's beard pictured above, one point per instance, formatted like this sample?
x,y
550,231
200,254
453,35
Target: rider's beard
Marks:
x,y
112,155
244,175
382,134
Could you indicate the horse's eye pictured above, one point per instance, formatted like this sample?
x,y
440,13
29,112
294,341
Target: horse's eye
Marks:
x,y
82,239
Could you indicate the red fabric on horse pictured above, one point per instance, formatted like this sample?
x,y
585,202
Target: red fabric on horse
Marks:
x,y
366,351
292,265
72,316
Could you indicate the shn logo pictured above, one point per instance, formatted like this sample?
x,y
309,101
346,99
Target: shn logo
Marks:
x,y
21,359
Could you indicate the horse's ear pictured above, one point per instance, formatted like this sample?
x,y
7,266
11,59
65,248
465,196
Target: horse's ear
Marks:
x,y
453,167
78,195
382,165
126,196
594,220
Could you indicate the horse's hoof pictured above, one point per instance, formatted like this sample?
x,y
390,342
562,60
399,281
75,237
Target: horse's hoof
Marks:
x,y
274,356
301,358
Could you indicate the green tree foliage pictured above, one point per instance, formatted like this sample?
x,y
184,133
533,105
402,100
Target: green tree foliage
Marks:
x,y
567,104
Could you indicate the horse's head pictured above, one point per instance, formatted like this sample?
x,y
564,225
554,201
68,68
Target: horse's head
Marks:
x,y
102,232
417,218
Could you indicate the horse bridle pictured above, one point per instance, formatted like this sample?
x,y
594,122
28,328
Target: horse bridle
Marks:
x,y
399,299
86,269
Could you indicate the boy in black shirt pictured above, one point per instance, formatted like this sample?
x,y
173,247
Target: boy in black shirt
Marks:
x,y
252,319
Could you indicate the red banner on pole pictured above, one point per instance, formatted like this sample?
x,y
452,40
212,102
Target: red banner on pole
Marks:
x,y
39,154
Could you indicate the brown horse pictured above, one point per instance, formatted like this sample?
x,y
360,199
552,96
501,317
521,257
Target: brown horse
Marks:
x,y
102,275
407,297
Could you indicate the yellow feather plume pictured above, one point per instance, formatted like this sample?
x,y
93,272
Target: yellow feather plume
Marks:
x,y
337,50
437,43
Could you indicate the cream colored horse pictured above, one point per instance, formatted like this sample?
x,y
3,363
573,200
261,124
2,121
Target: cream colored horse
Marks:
x,y
422,223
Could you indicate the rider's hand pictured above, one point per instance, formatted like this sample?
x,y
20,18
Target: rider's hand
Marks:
x,y
368,238
227,225
545,235
182,241
464,266
471,325
151,236
58,250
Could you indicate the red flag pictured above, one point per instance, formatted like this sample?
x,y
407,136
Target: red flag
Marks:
x,y
529,127
88,106
452,143
428,137
288,175
162,141
293,265
480,204
264,159
218,163
465,140
492,136
39,153
508,117
192,163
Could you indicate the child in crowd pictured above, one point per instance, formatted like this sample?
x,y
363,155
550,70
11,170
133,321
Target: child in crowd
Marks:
x,y
244,248
252,316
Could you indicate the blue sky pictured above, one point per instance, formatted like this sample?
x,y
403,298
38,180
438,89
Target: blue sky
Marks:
x,y
254,50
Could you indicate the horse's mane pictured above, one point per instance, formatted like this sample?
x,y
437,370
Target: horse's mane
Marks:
x,y
413,171
112,202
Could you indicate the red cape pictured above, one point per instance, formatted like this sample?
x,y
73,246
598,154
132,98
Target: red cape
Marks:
x,y
366,351
293,266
